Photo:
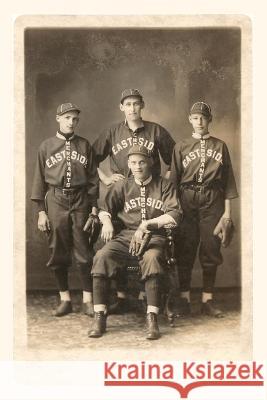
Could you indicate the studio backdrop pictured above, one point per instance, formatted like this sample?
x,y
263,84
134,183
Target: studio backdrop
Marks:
x,y
172,68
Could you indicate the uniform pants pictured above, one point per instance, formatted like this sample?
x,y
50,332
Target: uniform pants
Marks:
x,y
67,214
202,211
114,257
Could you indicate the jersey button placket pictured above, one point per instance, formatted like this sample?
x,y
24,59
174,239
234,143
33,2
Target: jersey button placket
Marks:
x,y
201,170
68,171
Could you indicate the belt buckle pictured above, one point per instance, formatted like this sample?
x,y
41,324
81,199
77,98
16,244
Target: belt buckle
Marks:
x,y
65,191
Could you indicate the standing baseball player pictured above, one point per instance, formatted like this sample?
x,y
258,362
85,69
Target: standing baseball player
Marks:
x,y
203,175
116,141
65,188
144,204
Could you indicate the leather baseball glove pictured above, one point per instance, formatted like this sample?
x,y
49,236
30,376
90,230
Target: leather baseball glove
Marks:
x,y
225,231
139,242
92,227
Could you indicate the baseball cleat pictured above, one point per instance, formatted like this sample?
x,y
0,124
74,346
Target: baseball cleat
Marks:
x,y
99,325
208,308
152,326
119,307
184,307
64,308
88,309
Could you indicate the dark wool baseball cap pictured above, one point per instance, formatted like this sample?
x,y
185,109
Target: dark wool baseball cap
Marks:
x,y
130,92
136,149
65,107
201,108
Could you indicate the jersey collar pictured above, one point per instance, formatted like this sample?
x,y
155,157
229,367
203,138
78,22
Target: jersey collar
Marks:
x,y
140,129
146,182
59,136
198,136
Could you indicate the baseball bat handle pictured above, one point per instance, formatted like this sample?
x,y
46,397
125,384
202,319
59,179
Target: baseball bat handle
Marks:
x,y
87,225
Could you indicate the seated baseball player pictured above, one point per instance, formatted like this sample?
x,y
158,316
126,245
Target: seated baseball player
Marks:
x,y
144,205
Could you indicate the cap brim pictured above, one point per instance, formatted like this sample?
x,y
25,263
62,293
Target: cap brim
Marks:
x,y
200,112
141,154
70,109
131,95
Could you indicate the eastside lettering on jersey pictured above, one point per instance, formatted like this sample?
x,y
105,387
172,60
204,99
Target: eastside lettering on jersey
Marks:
x,y
60,156
193,155
136,202
130,141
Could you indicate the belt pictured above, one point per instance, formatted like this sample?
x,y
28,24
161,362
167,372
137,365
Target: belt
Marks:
x,y
68,191
200,188
196,188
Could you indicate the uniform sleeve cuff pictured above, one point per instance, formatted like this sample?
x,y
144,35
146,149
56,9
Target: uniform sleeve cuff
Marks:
x,y
103,214
40,205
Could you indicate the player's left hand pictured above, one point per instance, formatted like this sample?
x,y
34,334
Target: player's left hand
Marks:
x,y
92,227
224,230
139,233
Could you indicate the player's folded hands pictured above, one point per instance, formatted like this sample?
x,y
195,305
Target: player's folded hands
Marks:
x,y
140,240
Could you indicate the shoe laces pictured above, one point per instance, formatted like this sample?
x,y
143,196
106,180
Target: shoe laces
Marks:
x,y
99,314
151,316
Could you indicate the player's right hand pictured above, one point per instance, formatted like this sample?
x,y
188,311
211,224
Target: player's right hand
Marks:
x,y
43,222
107,230
113,178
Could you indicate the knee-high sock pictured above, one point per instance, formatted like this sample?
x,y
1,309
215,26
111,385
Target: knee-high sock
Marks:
x,y
209,277
153,290
100,289
61,276
85,277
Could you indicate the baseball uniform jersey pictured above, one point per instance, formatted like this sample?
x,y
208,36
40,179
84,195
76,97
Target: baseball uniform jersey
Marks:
x,y
66,178
203,175
65,164
188,164
123,201
116,141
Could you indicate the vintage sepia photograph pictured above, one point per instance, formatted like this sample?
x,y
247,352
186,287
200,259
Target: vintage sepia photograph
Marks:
x,y
134,162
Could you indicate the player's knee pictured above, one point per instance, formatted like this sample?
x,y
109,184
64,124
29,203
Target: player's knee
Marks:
x,y
153,255
98,276
102,254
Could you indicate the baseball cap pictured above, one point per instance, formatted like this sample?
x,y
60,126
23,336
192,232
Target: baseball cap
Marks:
x,y
136,149
201,108
65,107
130,92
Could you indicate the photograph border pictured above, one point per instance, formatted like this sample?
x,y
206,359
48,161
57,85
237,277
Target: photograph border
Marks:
x,y
21,352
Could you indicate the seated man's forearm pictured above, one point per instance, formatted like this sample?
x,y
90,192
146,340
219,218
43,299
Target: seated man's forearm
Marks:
x,y
102,175
162,221
103,215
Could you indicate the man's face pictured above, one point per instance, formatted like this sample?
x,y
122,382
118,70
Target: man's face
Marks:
x,y
68,121
140,166
132,107
200,123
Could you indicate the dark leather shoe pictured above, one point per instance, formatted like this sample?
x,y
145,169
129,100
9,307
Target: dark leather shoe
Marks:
x,y
88,308
208,308
99,325
119,307
152,326
64,308
184,308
